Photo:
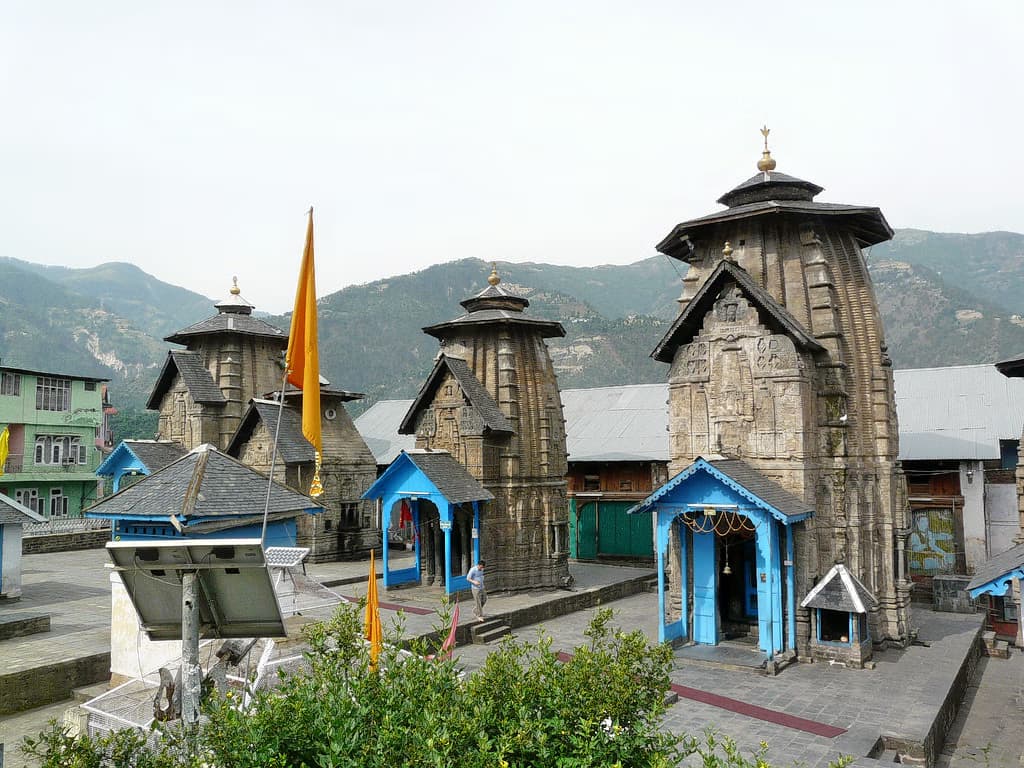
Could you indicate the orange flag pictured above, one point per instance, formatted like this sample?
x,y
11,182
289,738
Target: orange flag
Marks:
x,y
303,358
374,633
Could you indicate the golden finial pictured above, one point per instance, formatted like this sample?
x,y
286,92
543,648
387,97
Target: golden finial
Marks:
x,y
494,279
235,290
767,162
727,251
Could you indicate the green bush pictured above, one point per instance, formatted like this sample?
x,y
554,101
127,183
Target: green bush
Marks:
x,y
524,707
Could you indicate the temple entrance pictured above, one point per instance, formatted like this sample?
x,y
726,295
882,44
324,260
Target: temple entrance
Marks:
x,y
432,570
737,586
462,541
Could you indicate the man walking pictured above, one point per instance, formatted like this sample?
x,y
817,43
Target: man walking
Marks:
x,y
475,577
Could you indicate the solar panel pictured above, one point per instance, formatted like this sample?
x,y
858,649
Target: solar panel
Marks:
x,y
285,557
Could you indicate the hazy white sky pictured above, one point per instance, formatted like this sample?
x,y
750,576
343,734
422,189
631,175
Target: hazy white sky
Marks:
x,y
189,138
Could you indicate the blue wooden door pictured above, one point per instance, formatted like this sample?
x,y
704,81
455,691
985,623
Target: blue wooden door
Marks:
x,y
705,608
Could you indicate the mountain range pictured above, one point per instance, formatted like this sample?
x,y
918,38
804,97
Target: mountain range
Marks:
x,y
945,299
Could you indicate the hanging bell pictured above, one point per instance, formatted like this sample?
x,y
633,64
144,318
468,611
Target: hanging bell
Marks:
x,y
727,571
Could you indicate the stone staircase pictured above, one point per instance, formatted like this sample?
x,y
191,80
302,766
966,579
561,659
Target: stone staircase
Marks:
x,y
483,632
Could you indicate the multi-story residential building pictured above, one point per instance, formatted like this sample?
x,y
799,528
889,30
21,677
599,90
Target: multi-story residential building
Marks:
x,y
54,421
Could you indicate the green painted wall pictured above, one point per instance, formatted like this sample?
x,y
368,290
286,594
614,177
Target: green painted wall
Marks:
x,y
601,528
82,419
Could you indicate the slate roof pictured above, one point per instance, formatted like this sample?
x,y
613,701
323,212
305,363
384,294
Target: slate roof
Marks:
x,y
450,477
204,483
957,412
13,513
156,454
743,478
626,423
840,590
765,185
689,322
998,567
292,445
379,424
489,411
866,223
548,328
229,322
197,379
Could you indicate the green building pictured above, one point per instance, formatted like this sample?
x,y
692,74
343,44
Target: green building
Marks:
x,y
57,426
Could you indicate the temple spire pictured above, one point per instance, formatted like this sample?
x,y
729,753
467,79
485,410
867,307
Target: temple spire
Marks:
x,y
767,163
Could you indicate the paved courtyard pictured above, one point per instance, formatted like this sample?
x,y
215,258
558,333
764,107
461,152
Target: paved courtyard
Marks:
x,y
898,697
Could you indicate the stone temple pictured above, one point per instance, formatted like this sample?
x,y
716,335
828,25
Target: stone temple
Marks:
x,y
492,402
782,391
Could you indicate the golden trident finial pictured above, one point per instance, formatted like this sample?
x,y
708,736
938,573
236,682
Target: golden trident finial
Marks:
x,y
493,279
767,163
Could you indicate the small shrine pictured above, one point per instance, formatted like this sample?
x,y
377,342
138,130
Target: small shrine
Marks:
x,y
839,606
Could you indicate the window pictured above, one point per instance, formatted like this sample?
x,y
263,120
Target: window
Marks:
x,y
58,503
29,497
60,449
53,394
833,626
1008,454
10,384
591,483
625,485
90,386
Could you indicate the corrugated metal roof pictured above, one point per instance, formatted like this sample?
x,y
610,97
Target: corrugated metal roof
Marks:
x,y
957,412
627,423
379,427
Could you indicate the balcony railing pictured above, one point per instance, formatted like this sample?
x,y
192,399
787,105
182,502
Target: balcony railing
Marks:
x,y
16,464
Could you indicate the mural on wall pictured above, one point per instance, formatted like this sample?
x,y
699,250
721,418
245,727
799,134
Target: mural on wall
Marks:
x,y
932,542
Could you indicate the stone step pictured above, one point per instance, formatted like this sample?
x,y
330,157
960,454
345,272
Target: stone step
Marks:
x,y
999,650
492,629
89,692
20,625
651,585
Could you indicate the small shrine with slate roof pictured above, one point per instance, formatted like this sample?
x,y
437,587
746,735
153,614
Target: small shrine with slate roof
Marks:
x,y
205,493
778,360
132,460
435,495
491,401
839,618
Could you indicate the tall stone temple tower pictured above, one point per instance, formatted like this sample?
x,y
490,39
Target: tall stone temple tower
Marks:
x,y
492,401
212,392
778,358
229,358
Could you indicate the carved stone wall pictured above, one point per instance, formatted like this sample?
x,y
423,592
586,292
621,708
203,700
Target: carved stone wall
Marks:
x,y
185,421
823,426
525,530
347,527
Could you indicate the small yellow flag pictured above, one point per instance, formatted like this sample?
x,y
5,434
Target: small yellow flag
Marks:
x,y
372,628
303,358
5,447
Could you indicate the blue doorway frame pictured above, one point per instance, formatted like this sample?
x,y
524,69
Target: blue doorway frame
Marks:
x,y
692,510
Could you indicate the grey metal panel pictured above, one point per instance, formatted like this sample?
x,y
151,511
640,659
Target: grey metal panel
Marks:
x,y
957,412
379,427
627,423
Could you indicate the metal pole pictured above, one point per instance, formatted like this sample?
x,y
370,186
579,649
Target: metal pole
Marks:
x,y
191,673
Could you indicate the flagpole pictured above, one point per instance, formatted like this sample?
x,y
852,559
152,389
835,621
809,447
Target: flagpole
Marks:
x,y
273,456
